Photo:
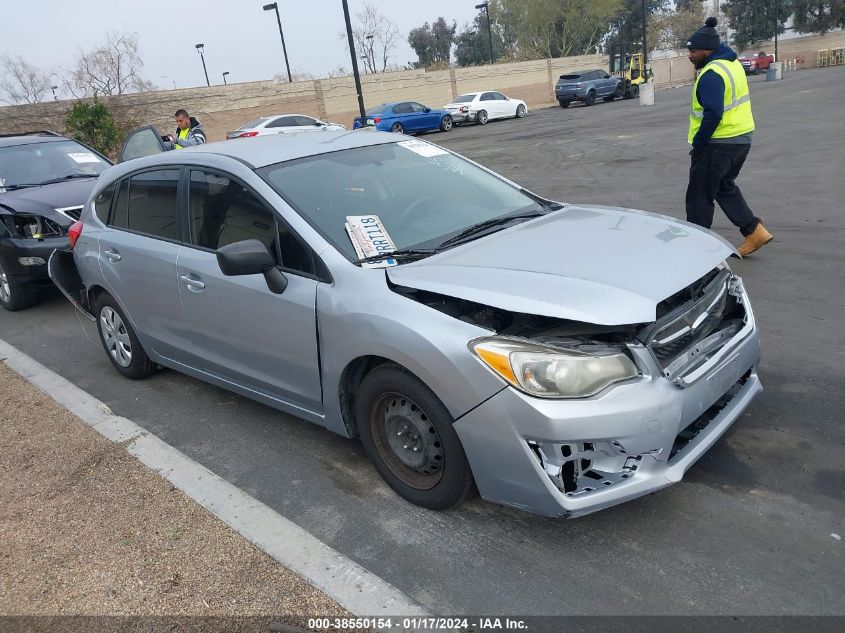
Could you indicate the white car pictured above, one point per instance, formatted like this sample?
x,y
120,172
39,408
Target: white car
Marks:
x,y
282,124
481,107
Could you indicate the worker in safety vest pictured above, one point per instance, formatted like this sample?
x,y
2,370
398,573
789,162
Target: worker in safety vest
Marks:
x,y
720,131
188,132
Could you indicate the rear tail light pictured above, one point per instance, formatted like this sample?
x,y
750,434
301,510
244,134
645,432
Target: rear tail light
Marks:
x,y
247,134
464,109
73,233
377,120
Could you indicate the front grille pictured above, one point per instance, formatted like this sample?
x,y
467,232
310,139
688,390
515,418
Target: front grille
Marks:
x,y
74,213
697,321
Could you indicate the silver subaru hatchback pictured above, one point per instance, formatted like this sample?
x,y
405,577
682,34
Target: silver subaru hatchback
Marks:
x,y
560,358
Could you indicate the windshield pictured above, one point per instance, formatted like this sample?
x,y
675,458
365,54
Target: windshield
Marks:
x,y
422,194
464,98
376,109
252,124
38,163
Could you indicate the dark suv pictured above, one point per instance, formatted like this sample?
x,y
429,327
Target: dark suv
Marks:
x,y
45,179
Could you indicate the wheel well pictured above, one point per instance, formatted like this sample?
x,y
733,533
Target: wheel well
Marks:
x,y
350,380
92,294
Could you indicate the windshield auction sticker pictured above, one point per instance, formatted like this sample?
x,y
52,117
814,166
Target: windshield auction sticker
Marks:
x,y
370,238
422,148
84,157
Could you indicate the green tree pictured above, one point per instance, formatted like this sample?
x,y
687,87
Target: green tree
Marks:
x,y
535,29
753,21
671,29
433,42
818,17
472,44
92,123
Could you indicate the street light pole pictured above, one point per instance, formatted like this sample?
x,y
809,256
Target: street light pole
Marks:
x,y
777,25
354,62
274,6
371,55
645,45
200,48
225,83
486,7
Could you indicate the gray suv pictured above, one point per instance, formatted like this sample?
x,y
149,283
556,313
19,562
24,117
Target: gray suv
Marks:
x,y
586,86
464,328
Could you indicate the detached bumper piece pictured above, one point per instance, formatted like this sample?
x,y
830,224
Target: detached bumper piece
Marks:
x,y
63,273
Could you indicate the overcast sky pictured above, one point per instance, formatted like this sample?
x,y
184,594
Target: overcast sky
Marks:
x,y
239,36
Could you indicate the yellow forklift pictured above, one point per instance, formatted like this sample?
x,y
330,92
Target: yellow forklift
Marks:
x,y
633,73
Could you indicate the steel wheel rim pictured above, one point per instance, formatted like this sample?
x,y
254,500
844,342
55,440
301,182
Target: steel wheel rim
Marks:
x,y
115,336
5,289
407,441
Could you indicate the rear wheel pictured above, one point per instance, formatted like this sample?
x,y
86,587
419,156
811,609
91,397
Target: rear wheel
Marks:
x,y
119,340
620,91
520,111
446,123
591,98
15,296
397,128
408,434
481,118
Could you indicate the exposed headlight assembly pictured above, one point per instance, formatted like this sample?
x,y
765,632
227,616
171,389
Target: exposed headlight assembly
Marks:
x,y
553,372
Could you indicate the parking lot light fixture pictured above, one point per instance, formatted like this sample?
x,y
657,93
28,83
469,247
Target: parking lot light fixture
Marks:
x,y
274,6
201,50
354,59
225,83
486,7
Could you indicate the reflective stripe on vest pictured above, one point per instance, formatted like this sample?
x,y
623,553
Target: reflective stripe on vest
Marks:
x,y
737,118
183,134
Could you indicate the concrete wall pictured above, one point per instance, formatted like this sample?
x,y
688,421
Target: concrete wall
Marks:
x,y
224,108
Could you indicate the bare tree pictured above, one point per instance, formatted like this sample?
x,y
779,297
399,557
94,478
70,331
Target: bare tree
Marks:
x,y
21,82
376,37
114,68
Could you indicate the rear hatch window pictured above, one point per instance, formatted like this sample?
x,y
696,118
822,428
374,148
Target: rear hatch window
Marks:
x,y
570,77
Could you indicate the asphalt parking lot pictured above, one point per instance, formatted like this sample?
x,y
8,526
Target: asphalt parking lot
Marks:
x,y
753,527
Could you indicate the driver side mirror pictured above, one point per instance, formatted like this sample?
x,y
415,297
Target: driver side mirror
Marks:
x,y
251,257
426,109
318,123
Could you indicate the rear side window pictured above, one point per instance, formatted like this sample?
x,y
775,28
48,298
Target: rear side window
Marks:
x,y
102,203
304,120
571,77
147,203
284,121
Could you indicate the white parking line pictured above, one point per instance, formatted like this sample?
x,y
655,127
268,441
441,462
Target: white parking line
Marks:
x,y
353,587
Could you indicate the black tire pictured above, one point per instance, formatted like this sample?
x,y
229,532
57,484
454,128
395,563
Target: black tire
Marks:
x,y
591,98
397,128
620,91
520,111
446,123
564,104
635,91
426,463
15,296
139,364
482,118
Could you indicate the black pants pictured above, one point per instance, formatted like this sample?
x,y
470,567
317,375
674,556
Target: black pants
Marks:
x,y
712,172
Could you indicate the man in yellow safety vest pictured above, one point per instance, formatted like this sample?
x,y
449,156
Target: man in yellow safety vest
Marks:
x,y
189,131
720,131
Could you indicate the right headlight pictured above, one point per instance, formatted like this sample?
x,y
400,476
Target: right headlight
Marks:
x,y
551,372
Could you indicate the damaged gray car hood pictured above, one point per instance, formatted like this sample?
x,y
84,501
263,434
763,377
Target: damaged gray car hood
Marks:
x,y
599,265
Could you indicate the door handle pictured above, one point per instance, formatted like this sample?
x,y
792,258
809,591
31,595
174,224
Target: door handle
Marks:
x,y
192,282
112,256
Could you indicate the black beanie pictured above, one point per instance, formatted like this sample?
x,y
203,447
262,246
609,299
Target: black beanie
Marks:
x,y
706,38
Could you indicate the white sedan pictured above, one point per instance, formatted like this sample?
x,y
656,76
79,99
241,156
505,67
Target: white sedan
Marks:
x,y
282,124
482,107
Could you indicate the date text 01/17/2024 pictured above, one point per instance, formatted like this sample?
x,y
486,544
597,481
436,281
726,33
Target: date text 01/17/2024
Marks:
x,y
419,623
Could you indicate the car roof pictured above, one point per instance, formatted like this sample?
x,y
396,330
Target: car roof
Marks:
x,y
261,151
30,139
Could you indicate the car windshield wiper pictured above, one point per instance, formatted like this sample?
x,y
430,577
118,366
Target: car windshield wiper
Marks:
x,y
405,253
68,177
477,229
22,185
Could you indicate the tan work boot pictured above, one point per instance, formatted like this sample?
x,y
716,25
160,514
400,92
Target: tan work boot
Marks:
x,y
753,242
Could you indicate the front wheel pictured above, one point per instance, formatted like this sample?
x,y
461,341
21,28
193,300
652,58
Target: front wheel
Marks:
x,y
15,296
520,111
481,118
408,434
446,123
397,128
119,340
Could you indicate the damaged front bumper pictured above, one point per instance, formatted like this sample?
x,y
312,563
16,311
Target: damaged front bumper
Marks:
x,y
574,457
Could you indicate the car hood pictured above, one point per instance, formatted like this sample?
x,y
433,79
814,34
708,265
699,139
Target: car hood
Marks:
x,y
46,199
600,265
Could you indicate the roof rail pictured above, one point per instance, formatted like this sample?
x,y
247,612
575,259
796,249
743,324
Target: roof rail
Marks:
x,y
32,133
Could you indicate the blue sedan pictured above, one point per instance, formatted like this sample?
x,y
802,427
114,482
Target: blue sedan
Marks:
x,y
405,117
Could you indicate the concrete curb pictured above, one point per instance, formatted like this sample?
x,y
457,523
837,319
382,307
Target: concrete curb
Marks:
x,y
353,587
